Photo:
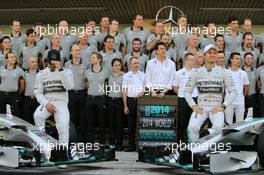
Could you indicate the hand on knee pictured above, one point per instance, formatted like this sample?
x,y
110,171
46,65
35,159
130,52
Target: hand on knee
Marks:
x,y
217,109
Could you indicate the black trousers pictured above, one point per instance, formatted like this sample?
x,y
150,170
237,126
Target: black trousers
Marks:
x,y
95,111
12,99
132,121
184,115
261,105
29,107
251,101
77,102
115,120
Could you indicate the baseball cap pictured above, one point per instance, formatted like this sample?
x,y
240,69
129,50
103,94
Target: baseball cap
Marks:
x,y
53,55
208,47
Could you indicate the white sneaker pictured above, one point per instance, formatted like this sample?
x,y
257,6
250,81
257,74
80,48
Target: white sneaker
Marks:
x,y
174,157
62,166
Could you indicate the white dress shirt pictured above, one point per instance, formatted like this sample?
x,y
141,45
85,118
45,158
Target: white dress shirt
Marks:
x,y
134,82
180,79
240,78
160,75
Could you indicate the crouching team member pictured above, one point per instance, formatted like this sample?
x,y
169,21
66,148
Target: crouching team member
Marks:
x,y
51,90
211,81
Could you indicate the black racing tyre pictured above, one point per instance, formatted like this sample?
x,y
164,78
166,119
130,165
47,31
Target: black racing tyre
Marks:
x,y
260,148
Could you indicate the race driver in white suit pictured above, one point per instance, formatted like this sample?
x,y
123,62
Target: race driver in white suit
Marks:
x,y
211,81
51,90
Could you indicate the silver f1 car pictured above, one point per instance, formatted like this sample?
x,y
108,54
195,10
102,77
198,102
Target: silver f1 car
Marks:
x,y
22,144
237,147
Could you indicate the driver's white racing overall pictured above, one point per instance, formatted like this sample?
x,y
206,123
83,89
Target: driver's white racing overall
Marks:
x,y
211,84
52,87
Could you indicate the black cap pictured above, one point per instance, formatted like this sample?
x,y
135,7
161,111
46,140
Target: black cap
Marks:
x,y
53,55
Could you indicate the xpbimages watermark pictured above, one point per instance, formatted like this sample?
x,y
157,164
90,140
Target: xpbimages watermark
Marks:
x,y
180,30
181,146
116,88
55,29
81,147
172,31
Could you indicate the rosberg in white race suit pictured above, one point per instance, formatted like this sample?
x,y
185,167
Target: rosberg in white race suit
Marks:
x,y
211,81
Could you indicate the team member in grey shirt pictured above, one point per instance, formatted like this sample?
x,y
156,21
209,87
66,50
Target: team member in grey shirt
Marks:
x,y
30,102
180,37
109,53
42,42
233,39
154,38
207,38
56,45
199,60
221,59
17,38
250,98
86,48
77,95
143,59
93,30
260,40
115,105
247,46
220,45
260,79
104,24
104,27
120,40
247,27
6,47
192,47
29,49
95,103
67,38
219,42
12,83
136,31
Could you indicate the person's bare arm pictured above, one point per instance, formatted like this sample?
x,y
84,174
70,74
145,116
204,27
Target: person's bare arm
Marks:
x,y
126,111
245,90
22,85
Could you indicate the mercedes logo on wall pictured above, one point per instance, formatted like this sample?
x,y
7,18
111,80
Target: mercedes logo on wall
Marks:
x,y
172,13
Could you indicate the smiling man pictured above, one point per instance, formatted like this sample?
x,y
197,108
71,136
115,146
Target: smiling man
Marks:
x,y
211,81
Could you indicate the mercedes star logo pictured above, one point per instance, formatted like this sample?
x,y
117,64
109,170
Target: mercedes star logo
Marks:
x,y
172,10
